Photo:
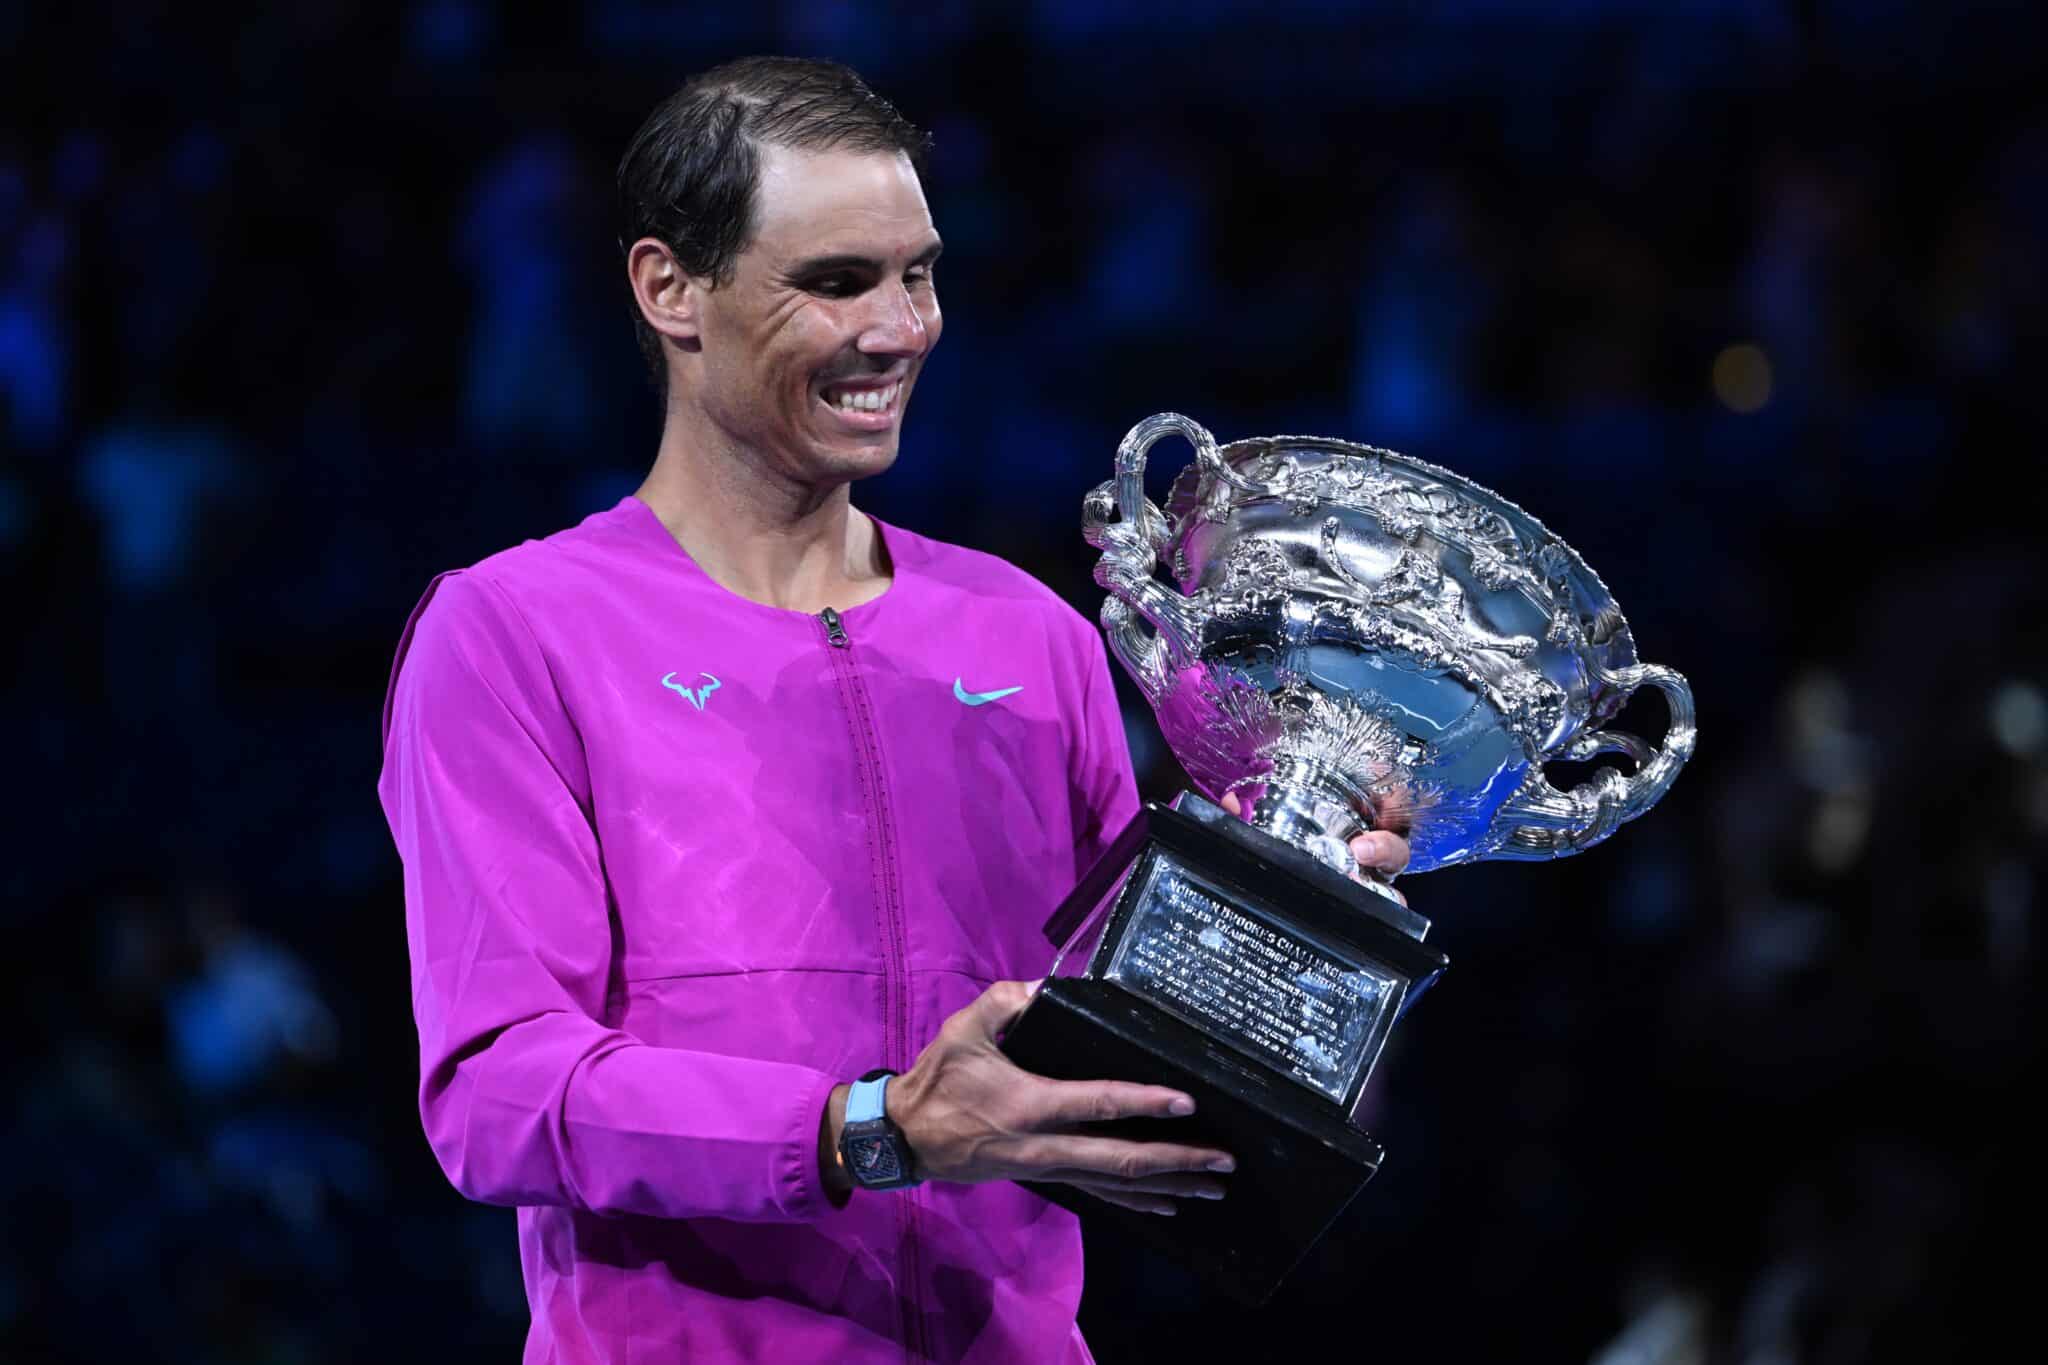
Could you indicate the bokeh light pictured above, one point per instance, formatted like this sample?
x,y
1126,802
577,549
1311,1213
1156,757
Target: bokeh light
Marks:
x,y
1742,377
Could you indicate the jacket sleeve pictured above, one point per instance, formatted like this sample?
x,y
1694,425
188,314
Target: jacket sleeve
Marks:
x,y
1105,791
527,1096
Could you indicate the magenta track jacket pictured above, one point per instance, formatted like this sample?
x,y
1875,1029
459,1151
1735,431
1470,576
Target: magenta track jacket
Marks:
x,y
676,864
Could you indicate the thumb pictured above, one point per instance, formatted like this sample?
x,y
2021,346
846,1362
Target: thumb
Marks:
x,y
996,1008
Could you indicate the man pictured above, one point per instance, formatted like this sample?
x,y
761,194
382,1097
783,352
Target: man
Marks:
x,y
731,794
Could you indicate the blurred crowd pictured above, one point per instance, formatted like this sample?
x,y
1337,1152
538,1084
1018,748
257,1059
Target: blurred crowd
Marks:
x,y
302,305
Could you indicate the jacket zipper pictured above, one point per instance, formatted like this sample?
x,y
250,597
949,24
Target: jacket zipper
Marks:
x,y
895,949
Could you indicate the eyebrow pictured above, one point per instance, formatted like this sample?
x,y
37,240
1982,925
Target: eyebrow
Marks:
x,y
824,265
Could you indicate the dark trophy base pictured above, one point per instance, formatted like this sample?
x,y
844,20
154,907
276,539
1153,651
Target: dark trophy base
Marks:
x,y
1300,1158
1296,1168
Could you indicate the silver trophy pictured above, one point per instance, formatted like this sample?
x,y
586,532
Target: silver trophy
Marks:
x,y
1350,638
1353,632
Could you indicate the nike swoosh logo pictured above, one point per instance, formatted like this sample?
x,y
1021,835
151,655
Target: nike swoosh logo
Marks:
x,y
960,693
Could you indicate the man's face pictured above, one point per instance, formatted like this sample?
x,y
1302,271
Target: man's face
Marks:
x,y
810,352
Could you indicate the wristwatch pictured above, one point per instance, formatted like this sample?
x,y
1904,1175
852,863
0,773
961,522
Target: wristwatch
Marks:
x,y
873,1149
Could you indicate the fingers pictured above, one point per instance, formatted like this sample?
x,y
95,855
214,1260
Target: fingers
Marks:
x,y
1380,851
1164,1202
1172,1186
1142,1203
1383,850
1063,1102
1112,1161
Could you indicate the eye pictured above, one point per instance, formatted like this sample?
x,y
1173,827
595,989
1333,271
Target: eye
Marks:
x,y
918,275
837,286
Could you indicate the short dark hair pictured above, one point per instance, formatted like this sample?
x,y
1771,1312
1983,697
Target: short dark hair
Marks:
x,y
690,176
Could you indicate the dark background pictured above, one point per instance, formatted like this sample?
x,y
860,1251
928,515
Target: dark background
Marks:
x,y
1745,300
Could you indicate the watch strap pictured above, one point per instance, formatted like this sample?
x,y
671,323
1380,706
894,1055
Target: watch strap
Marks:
x,y
868,1098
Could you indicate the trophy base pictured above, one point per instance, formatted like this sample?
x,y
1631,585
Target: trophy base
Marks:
x,y
1299,1162
1242,971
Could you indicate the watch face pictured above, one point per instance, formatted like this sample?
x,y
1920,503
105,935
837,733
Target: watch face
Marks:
x,y
874,1159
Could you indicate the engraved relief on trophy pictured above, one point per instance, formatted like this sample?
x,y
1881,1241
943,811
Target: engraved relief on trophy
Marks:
x,y
1417,587
1256,568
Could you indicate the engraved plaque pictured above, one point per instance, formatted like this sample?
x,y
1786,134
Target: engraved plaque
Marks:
x,y
1274,994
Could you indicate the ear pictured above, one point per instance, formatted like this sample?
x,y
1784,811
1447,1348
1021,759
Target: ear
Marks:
x,y
668,298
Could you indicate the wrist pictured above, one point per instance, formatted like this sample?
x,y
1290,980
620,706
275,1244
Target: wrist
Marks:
x,y
904,1093
874,1152
831,1166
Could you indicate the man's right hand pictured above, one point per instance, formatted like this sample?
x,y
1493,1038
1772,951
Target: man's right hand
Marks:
x,y
971,1115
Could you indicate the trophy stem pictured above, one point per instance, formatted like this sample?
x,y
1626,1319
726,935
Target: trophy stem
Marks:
x,y
1312,806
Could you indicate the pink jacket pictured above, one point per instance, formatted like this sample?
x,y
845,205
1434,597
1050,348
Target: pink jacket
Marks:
x,y
676,864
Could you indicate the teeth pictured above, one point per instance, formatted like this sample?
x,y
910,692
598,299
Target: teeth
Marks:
x,y
866,400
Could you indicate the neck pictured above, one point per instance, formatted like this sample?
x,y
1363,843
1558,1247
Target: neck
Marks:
x,y
759,534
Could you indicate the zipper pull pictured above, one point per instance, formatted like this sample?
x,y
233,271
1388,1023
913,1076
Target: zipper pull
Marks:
x,y
834,630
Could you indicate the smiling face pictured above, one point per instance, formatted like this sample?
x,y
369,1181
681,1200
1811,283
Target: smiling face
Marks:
x,y
806,358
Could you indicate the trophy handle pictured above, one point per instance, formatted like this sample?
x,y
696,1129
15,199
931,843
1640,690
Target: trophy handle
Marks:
x,y
1148,624
1556,824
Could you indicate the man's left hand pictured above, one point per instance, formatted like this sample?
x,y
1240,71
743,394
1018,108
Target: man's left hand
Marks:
x,y
1381,853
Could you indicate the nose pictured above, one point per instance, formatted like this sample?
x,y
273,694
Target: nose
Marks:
x,y
899,326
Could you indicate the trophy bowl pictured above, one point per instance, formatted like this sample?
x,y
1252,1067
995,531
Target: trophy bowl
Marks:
x,y
1350,639
1359,637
